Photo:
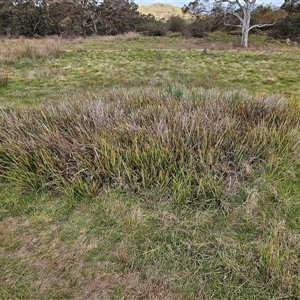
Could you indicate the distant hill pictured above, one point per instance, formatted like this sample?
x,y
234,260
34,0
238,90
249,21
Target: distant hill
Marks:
x,y
162,11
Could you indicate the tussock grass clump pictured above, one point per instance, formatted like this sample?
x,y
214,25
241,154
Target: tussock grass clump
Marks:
x,y
31,48
129,36
199,145
189,194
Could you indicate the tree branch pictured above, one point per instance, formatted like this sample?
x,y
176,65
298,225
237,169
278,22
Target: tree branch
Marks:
x,y
236,15
239,4
228,24
261,25
231,2
227,1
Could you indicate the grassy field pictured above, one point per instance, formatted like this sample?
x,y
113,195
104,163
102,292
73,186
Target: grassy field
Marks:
x,y
92,65
140,168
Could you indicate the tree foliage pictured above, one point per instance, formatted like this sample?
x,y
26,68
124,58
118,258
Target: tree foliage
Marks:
x,y
266,14
291,6
67,17
289,26
236,13
118,16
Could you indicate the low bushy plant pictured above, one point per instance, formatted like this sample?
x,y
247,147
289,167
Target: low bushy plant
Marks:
x,y
152,27
156,29
197,28
198,144
177,24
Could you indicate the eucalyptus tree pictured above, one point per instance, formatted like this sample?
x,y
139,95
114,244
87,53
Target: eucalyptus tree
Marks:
x,y
22,17
105,16
86,15
67,17
291,6
290,25
6,22
118,16
57,17
241,10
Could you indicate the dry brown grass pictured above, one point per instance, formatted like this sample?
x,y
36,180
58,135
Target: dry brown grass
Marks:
x,y
33,48
163,11
129,36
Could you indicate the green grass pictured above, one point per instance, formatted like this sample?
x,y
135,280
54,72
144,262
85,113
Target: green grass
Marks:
x,y
95,65
137,174
117,246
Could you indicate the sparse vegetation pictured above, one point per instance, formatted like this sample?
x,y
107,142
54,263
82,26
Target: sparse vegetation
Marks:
x,y
137,167
162,11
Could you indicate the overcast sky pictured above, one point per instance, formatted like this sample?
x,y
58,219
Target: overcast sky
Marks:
x,y
180,3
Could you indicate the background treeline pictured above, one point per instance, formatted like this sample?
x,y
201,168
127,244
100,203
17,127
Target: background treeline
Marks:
x,y
67,17
110,17
286,21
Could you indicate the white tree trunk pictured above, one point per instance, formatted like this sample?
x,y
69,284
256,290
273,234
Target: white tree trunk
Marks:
x,y
246,25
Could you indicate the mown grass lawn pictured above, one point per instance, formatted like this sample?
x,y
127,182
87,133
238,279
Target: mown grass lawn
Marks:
x,y
144,169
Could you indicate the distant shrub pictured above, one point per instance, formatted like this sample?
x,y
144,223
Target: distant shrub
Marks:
x,y
174,34
198,28
287,27
176,24
150,26
156,29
